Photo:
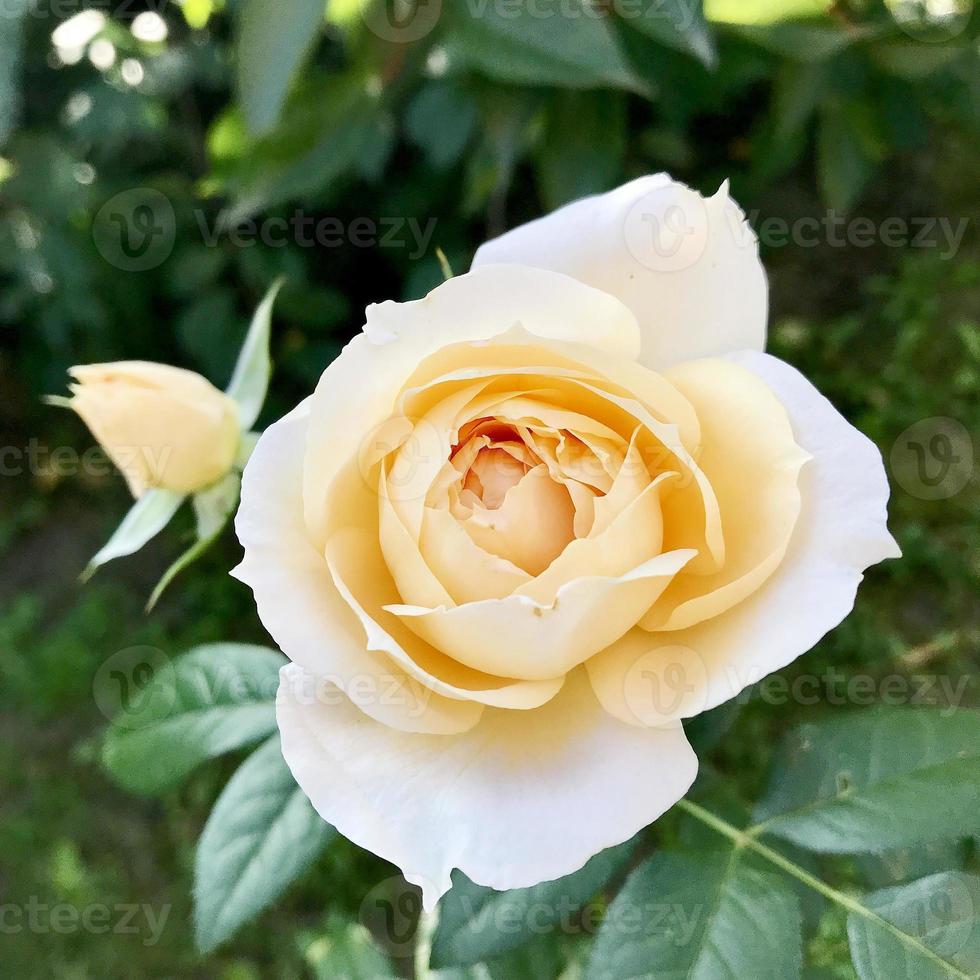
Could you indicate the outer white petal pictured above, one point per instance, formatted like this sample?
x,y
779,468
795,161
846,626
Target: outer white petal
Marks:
x,y
525,797
687,266
299,604
840,532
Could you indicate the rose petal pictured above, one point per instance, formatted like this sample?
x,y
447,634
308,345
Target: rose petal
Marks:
x,y
366,587
691,514
752,461
415,580
466,571
840,532
518,637
634,536
517,352
357,392
687,266
631,480
299,605
524,797
532,526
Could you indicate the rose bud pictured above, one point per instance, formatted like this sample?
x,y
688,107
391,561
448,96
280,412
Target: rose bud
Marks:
x,y
164,427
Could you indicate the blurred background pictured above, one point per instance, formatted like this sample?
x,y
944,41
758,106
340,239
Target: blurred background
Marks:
x,y
161,163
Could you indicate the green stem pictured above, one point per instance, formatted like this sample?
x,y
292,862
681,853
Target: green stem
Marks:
x,y
423,945
743,840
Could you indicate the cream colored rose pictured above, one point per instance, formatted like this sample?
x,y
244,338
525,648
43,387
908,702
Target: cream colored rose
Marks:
x,y
164,427
526,525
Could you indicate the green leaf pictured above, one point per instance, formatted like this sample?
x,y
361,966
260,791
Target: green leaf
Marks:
x,y
145,519
261,835
845,157
440,120
11,50
250,379
318,143
680,24
874,779
476,923
273,39
913,59
798,29
797,91
900,865
211,700
347,952
942,915
706,730
573,48
379,144
506,133
804,40
585,140
702,916
542,957
213,507
209,329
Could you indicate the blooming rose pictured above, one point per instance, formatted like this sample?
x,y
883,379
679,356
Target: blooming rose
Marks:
x,y
163,426
527,524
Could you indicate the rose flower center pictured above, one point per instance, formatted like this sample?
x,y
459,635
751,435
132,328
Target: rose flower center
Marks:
x,y
506,496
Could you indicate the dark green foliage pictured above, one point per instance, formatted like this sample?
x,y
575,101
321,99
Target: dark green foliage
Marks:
x,y
389,150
